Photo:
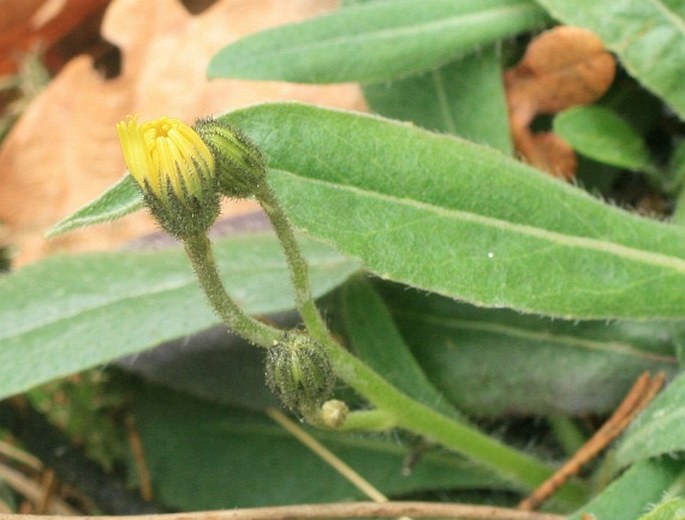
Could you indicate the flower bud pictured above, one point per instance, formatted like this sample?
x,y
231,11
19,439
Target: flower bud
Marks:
x,y
334,413
175,170
240,165
299,372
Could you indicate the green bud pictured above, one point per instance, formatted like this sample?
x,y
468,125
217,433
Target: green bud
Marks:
x,y
240,165
334,413
299,372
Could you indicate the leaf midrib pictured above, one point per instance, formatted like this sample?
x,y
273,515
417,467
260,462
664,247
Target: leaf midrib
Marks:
x,y
36,325
182,283
602,246
389,34
613,347
678,22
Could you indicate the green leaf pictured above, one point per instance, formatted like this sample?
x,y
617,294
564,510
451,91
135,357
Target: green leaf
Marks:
x,y
212,364
634,492
553,367
464,98
601,134
375,41
376,340
647,35
660,429
463,220
118,201
70,313
248,460
669,509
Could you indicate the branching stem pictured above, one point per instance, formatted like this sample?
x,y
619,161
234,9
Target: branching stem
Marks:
x,y
396,407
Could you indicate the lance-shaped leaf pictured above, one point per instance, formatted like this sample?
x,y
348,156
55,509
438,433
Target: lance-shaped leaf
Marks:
x,y
463,220
376,41
552,367
602,135
659,429
250,461
71,313
118,201
634,492
464,98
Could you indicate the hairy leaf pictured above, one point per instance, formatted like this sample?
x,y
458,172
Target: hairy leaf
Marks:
x,y
118,201
248,460
601,134
375,41
377,341
464,98
70,313
463,220
552,366
660,429
634,492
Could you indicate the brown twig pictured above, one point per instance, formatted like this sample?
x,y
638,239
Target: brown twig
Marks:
x,y
49,485
337,510
326,455
69,462
18,455
32,490
136,444
642,392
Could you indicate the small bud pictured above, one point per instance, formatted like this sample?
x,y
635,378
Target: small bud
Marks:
x,y
334,413
298,371
240,165
175,170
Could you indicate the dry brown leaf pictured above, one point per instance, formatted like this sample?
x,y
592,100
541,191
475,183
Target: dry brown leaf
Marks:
x,y
562,67
28,24
64,151
548,152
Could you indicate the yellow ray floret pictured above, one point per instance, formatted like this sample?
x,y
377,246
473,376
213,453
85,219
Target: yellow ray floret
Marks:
x,y
166,154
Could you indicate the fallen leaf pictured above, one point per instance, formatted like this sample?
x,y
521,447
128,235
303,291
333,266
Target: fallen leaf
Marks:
x,y
46,24
562,67
547,151
64,152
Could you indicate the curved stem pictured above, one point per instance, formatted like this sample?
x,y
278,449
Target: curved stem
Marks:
x,y
515,466
200,253
397,407
298,266
521,469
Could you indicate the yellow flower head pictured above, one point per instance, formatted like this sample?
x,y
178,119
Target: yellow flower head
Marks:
x,y
166,157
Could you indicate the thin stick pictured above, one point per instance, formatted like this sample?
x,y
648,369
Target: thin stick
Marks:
x,y
32,490
19,455
49,484
342,510
642,392
327,456
140,462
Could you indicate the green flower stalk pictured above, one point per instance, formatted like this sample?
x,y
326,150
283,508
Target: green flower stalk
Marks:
x,y
182,171
176,172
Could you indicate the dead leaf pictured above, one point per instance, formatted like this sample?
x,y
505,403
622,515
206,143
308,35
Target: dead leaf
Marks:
x,y
562,67
28,24
548,152
64,151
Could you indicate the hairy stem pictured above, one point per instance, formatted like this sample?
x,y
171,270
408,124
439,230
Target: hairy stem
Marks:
x,y
299,273
396,407
200,253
